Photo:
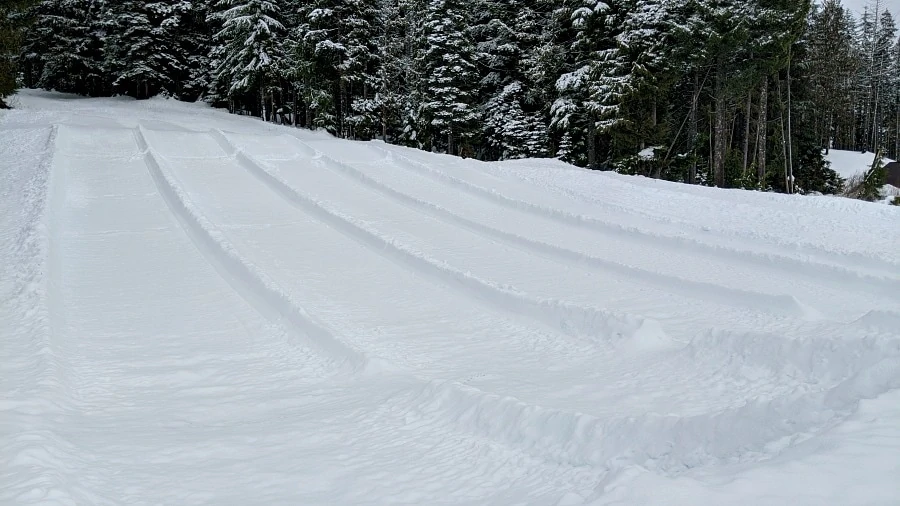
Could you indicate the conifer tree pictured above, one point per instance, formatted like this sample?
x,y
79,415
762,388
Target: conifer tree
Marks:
x,y
450,77
11,18
251,47
514,120
143,51
64,46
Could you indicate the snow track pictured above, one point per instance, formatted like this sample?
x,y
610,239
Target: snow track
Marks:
x,y
245,277
204,309
555,314
781,304
882,273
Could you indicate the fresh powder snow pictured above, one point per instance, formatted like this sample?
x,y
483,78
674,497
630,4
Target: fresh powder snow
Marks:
x,y
200,308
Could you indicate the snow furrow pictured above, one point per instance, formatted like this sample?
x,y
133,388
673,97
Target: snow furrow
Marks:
x,y
261,292
572,319
576,439
671,200
672,444
37,453
807,267
779,304
818,297
484,411
667,443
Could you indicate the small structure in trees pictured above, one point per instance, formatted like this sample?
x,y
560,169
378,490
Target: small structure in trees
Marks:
x,y
893,174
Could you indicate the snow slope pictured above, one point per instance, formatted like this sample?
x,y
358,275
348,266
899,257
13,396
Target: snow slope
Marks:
x,y
851,163
199,308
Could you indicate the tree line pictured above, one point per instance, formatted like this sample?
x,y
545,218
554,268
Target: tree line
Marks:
x,y
731,93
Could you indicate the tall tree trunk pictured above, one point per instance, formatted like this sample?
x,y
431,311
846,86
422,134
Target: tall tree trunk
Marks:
x,y
897,130
720,143
591,145
784,136
790,141
692,175
875,143
747,112
262,104
762,130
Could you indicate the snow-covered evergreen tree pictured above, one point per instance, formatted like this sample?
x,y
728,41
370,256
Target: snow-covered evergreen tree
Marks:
x,y
143,50
11,14
736,93
251,48
514,116
64,47
450,77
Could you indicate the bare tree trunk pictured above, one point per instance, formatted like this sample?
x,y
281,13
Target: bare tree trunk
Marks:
x,y
784,139
262,104
712,136
747,112
875,139
692,175
762,130
591,145
790,142
897,132
720,143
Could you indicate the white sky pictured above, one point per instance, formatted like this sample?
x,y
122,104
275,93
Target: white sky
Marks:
x,y
857,5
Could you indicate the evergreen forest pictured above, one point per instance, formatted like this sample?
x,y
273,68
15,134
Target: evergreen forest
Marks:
x,y
728,93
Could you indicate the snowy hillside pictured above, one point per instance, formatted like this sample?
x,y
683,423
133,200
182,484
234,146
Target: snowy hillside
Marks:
x,y
851,163
200,308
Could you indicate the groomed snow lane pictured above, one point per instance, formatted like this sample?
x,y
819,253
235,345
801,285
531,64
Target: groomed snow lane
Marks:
x,y
205,309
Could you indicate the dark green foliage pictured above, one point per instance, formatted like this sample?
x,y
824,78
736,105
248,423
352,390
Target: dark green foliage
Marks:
x,y
874,180
13,22
732,93
64,47
815,174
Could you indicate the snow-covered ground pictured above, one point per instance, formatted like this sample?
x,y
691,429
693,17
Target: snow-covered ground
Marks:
x,y
200,308
851,163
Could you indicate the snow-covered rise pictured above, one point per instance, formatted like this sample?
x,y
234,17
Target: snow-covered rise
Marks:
x,y
851,163
200,308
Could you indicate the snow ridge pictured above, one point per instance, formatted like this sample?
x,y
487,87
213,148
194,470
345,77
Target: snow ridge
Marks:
x,y
39,450
262,292
569,318
780,304
808,267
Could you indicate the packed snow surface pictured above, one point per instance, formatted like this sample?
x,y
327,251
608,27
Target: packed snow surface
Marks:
x,y
200,308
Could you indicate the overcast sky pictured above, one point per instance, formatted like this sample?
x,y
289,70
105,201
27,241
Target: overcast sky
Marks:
x,y
857,5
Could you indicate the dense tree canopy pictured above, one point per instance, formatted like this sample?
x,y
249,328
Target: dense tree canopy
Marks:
x,y
733,93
